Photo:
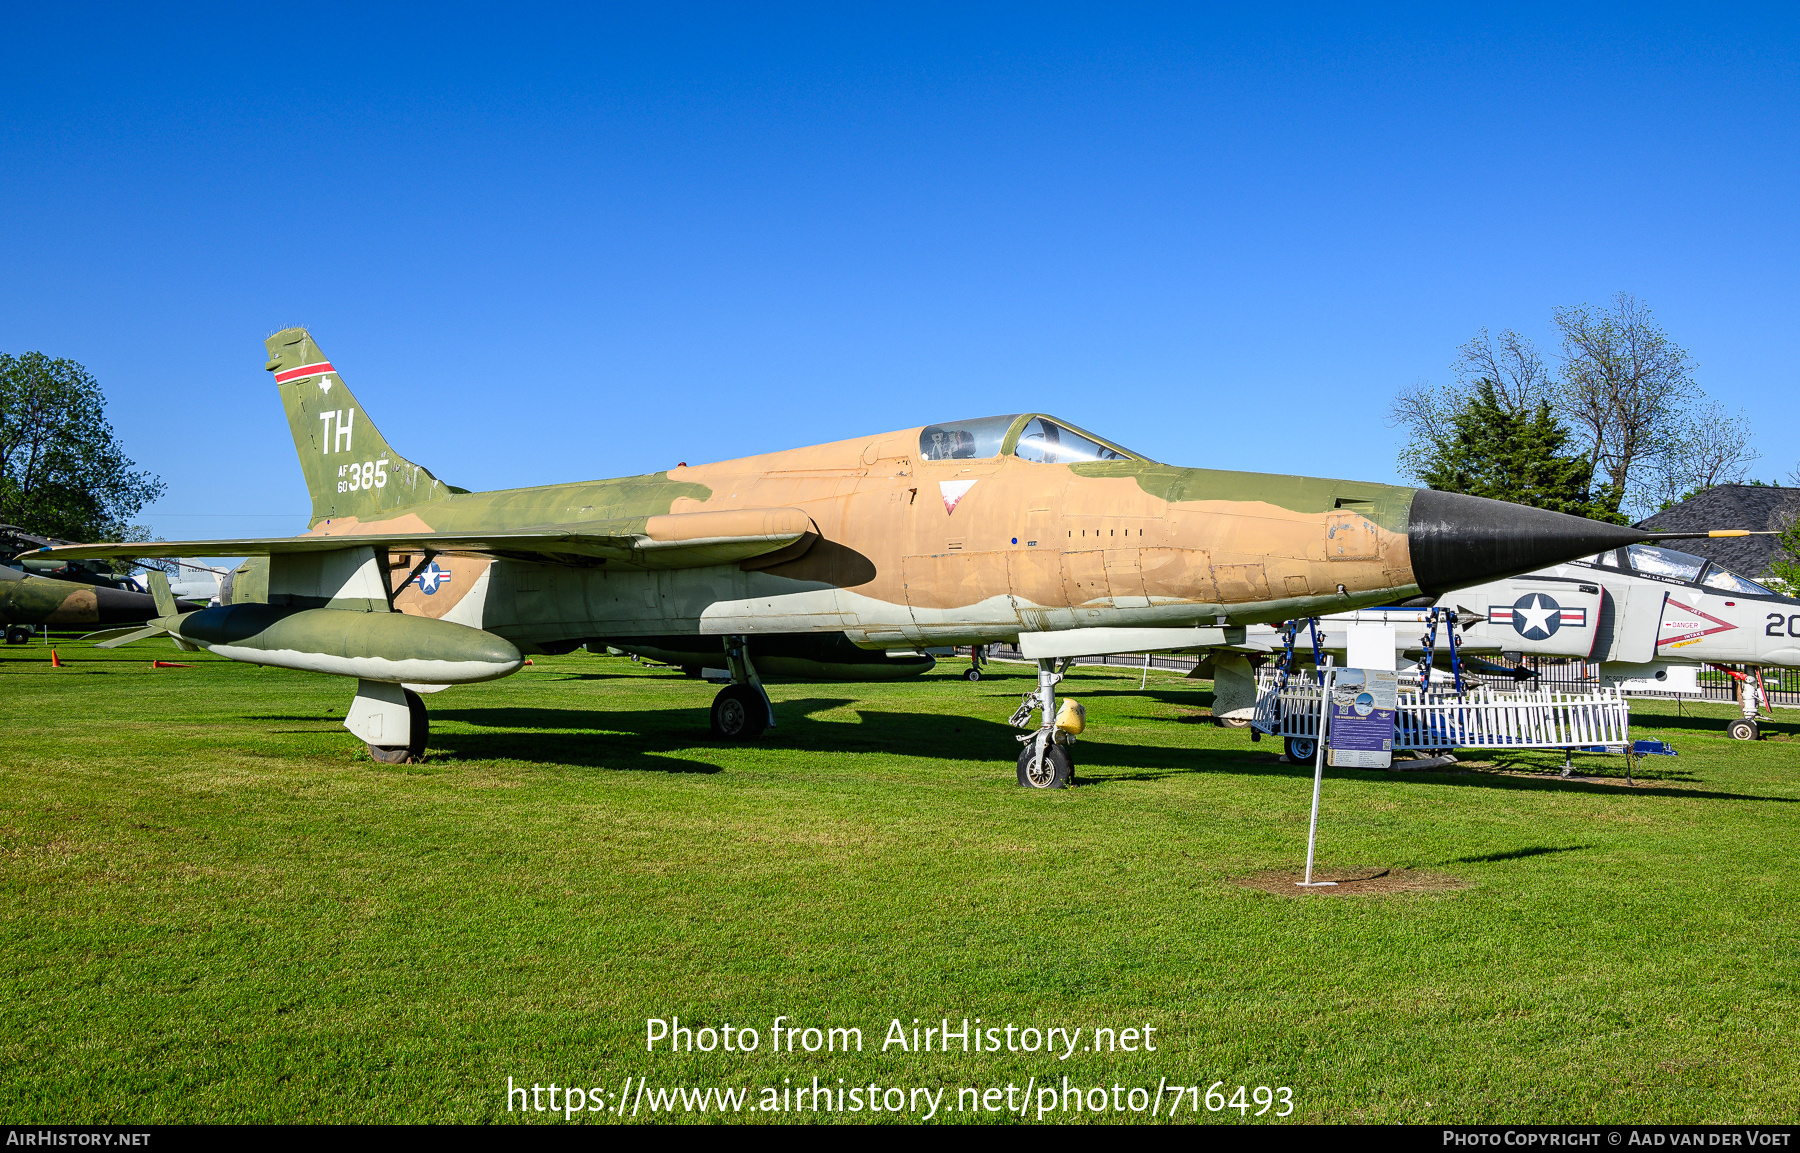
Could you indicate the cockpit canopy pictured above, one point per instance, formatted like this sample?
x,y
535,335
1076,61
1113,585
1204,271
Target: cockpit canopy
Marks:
x,y
1028,436
1667,564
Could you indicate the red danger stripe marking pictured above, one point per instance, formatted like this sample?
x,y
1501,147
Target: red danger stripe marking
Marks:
x,y
323,366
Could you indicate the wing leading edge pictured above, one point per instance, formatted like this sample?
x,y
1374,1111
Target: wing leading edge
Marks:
x,y
667,541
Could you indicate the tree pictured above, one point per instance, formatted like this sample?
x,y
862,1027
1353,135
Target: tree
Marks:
x,y
62,470
1629,388
1510,452
1712,449
1512,367
1784,569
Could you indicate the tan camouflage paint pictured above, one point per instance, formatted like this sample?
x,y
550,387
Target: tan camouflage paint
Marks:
x,y
39,600
890,558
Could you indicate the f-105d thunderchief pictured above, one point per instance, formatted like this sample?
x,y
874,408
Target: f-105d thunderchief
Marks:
x,y
1006,528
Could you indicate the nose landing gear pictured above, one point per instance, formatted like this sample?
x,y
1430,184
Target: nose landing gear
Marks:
x,y
1048,769
1044,762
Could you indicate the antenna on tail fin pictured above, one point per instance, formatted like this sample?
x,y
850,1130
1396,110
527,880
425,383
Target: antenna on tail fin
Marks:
x,y
350,470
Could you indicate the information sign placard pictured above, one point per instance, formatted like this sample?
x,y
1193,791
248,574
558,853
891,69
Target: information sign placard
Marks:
x,y
1361,734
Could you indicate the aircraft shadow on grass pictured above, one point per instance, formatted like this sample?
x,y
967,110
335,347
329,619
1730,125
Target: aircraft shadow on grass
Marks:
x,y
595,676
1519,854
675,740
658,739
1710,726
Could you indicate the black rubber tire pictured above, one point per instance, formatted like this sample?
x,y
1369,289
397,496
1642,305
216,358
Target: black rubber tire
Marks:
x,y
1300,750
972,674
1232,722
1060,770
413,752
691,671
1744,729
738,713
18,635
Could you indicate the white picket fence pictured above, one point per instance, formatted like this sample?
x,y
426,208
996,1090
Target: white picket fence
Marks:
x,y
1481,719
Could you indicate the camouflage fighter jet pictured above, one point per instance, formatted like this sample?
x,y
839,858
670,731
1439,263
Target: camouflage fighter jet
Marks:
x,y
1007,528
41,593
29,603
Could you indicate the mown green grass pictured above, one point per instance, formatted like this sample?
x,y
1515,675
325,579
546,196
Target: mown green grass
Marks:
x,y
219,909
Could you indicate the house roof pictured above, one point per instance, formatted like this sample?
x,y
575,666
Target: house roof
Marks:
x,y
1748,506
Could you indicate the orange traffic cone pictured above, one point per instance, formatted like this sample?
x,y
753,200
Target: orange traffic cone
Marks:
x,y
54,663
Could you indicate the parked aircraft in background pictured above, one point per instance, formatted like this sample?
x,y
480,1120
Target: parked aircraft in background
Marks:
x,y
97,573
195,580
1018,527
1650,616
38,593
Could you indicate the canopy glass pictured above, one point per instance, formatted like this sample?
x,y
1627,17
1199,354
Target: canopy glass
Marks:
x,y
1029,436
1667,564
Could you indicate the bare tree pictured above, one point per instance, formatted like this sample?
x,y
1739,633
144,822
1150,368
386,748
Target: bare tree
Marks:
x,y
1629,387
1512,362
1426,412
1713,448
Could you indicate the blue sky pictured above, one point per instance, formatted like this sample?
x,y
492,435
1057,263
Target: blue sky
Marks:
x,y
544,245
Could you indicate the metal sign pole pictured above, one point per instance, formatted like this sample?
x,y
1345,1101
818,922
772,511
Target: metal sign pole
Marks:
x,y
1312,832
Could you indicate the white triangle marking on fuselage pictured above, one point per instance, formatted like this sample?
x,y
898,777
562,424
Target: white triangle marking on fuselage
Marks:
x,y
953,491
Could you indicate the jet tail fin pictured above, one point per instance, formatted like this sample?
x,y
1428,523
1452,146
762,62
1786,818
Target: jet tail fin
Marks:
x,y
159,590
350,469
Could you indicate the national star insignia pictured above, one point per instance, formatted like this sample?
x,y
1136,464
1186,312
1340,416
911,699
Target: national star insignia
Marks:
x,y
1536,617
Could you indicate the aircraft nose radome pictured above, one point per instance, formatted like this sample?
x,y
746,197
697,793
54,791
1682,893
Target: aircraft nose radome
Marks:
x,y
1458,540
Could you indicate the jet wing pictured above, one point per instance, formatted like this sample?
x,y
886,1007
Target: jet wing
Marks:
x,y
667,541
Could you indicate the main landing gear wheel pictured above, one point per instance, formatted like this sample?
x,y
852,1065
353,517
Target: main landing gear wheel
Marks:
x,y
1743,729
1232,722
972,675
1054,772
18,635
413,751
738,713
1300,750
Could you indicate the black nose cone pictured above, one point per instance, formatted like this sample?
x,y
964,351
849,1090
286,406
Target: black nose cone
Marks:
x,y
1458,540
